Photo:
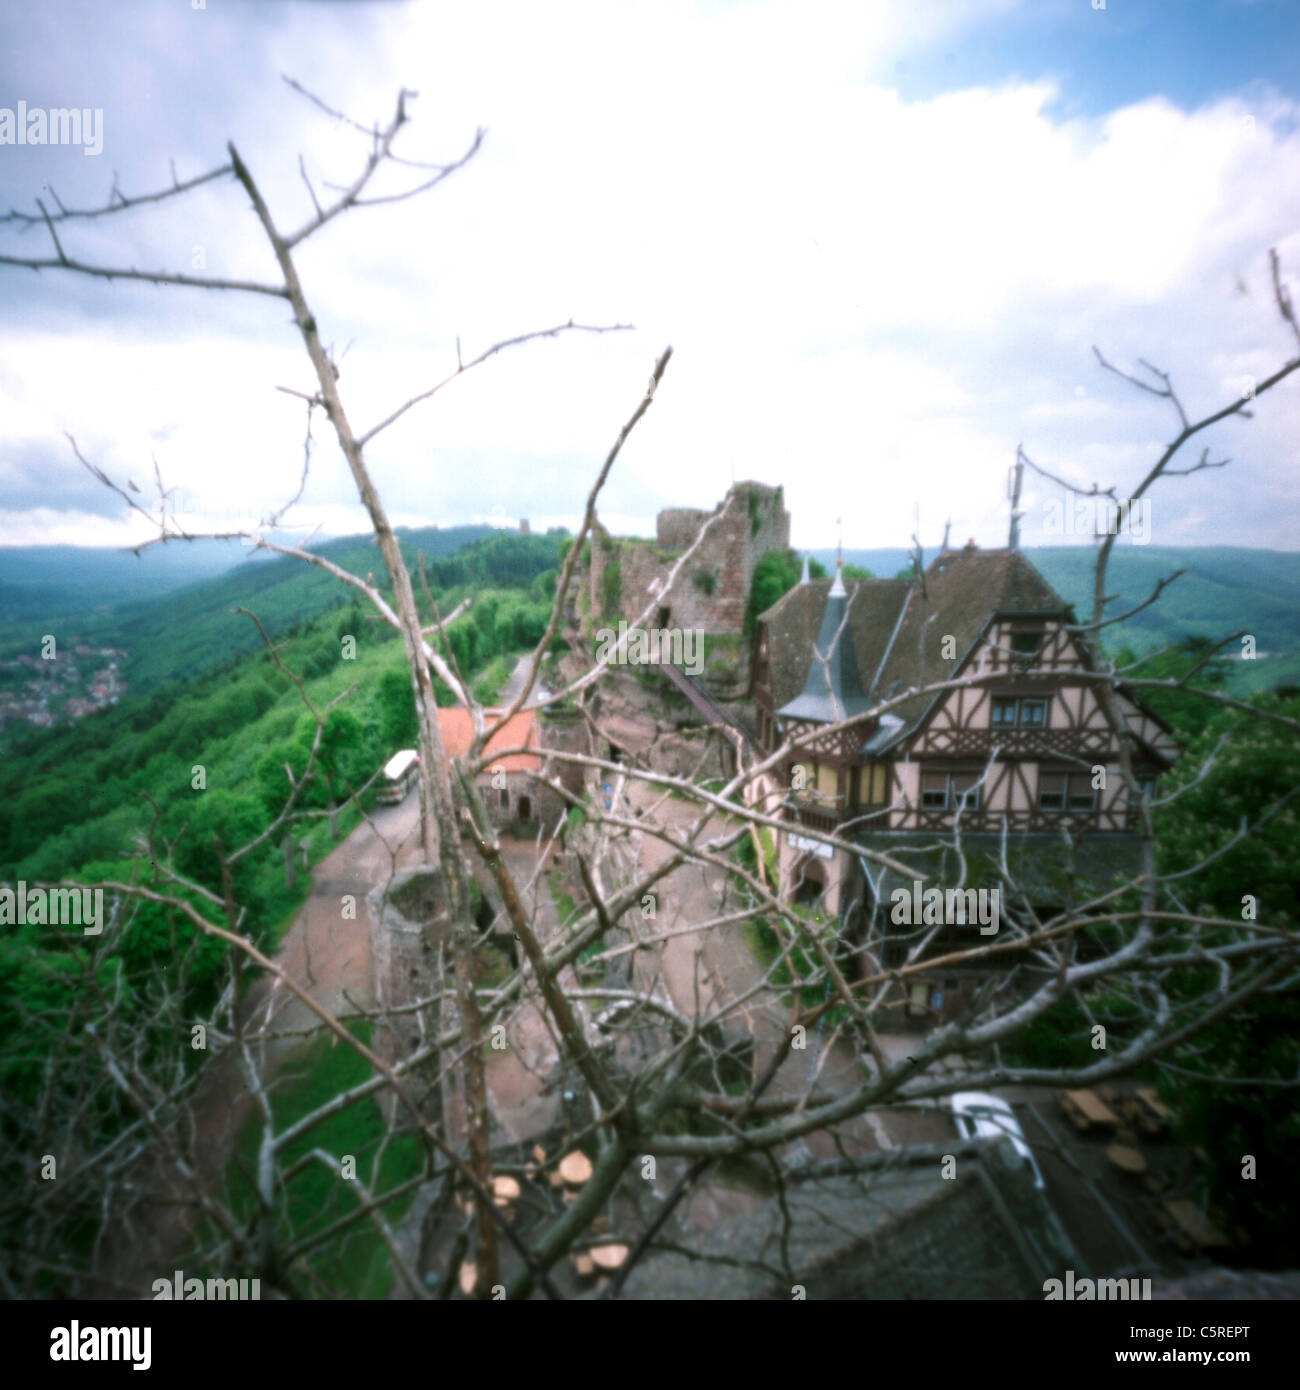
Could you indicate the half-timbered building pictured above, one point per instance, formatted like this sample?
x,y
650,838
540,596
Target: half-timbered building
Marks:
x,y
1021,767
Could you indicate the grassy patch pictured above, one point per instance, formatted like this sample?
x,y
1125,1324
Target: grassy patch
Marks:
x,y
560,896
355,1263
799,963
488,685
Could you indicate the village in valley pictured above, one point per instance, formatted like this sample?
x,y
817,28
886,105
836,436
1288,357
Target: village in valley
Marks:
x,y
46,690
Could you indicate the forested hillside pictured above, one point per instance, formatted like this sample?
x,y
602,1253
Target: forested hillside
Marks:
x,y
193,628
74,794
73,799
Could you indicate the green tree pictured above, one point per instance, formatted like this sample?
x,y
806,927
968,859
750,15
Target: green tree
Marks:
x,y
1188,714
1228,1087
484,617
343,757
233,818
775,574
398,727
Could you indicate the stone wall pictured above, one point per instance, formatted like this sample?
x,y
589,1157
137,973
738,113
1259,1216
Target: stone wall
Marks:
x,y
677,527
564,730
409,919
524,801
712,590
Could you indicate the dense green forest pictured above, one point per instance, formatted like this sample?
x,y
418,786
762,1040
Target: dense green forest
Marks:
x,y
73,801
73,794
194,627
45,581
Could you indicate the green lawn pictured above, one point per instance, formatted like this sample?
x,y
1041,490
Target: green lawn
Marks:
x,y
354,1263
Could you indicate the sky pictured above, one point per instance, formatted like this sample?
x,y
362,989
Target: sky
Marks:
x,y
882,240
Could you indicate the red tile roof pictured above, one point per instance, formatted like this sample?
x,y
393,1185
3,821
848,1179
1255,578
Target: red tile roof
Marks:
x,y
520,731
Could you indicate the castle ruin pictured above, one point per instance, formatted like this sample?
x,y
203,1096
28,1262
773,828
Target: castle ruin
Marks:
x,y
625,577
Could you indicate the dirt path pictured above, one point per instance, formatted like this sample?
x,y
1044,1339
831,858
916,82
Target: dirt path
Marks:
x,y
510,690
717,962
521,1104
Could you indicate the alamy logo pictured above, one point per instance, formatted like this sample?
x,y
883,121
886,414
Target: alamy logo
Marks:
x,y
179,1288
58,126
1083,1290
52,907
1091,515
658,645
937,907
77,1343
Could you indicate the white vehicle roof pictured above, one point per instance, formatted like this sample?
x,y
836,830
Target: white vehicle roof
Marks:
x,y
396,766
991,1117
979,1100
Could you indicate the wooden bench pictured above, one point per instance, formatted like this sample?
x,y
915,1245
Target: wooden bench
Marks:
x,y
1192,1229
1128,1159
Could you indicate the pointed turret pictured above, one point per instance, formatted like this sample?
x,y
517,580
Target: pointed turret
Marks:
x,y
833,690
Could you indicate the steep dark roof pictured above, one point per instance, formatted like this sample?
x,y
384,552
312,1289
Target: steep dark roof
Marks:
x,y
963,590
833,689
794,622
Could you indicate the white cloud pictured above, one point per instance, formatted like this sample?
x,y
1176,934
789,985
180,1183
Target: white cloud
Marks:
x,y
872,301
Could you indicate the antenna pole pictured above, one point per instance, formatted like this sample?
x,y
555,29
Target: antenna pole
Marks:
x,y
1015,477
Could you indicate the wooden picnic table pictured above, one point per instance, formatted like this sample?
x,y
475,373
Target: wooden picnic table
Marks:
x,y
1157,1107
1091,1109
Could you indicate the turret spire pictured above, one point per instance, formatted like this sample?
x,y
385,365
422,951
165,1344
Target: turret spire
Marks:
x,y
837,585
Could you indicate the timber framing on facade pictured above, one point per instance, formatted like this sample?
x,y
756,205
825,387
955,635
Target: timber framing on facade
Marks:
x,y
1027,752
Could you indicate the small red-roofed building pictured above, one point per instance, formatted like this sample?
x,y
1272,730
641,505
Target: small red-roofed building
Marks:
x,y
510,779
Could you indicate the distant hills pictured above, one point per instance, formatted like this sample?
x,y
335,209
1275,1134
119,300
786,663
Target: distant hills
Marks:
x,y
1223,589
172,607
49,580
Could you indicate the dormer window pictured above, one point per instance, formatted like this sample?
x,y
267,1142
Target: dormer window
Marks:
x,y
1026,643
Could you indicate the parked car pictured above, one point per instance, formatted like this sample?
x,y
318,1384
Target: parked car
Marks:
x,y
979,1115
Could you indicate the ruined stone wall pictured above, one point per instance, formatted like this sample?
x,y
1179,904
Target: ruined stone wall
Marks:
x,y
711,592
677,527
602,547
566,731
522,803
407,921
770,530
